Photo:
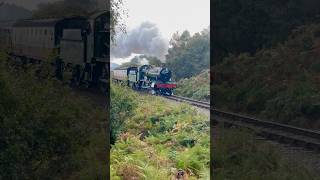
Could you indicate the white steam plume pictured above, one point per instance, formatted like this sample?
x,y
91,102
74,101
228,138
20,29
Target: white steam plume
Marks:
x,y
145,39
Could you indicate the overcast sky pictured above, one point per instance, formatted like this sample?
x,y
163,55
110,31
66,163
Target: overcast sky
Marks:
x,y
168,15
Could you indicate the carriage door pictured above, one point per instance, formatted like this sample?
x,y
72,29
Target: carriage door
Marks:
x,y
101,49
101,38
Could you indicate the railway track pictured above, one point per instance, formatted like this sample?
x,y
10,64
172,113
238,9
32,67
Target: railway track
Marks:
x,y
306,138
193,102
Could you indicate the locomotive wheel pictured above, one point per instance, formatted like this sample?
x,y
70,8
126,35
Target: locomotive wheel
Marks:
x,y
157,91
86,76
59,69
134,86
76,76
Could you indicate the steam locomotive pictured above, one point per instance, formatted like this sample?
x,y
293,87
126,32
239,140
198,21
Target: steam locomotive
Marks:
x,y
155,79
80,45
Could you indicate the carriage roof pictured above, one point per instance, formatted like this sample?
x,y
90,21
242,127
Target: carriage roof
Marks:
x,y
36,23
97,14
44,22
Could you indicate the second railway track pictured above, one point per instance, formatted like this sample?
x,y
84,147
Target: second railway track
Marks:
x,y
306,138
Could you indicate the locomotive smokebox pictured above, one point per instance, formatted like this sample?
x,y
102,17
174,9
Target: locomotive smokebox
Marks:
x,y
165,75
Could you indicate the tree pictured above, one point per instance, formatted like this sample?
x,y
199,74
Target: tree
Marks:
x,y
143,60
117,15
249,25
189,56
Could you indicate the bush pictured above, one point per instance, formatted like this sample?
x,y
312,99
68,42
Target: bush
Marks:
x,y
197,87
155,140
279,83
237,155
46,130
122,105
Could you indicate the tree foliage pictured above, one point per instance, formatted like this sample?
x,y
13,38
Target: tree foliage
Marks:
x,y
118,13
249,25
143,60
189,55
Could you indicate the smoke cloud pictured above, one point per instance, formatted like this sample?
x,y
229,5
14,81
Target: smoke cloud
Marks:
x,y
144,61
145,39
33,4
90,5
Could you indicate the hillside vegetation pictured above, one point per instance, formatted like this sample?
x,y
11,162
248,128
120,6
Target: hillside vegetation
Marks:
x,y
197,87
157,138
280,83
46,130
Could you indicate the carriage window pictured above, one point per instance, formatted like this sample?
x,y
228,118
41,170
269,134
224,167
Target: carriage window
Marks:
x,y
45,32
51,35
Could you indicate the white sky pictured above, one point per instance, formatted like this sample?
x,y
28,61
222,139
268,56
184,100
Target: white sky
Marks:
x,y
169,15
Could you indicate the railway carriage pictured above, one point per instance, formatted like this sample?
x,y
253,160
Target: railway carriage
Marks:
x,y
120,75
6,35
80,45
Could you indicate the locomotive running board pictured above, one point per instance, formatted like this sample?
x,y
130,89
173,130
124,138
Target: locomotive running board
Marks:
x,y
103,81
106,59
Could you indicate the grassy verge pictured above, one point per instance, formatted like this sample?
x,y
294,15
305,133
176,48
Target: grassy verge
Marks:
x,y
238,155
158,139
